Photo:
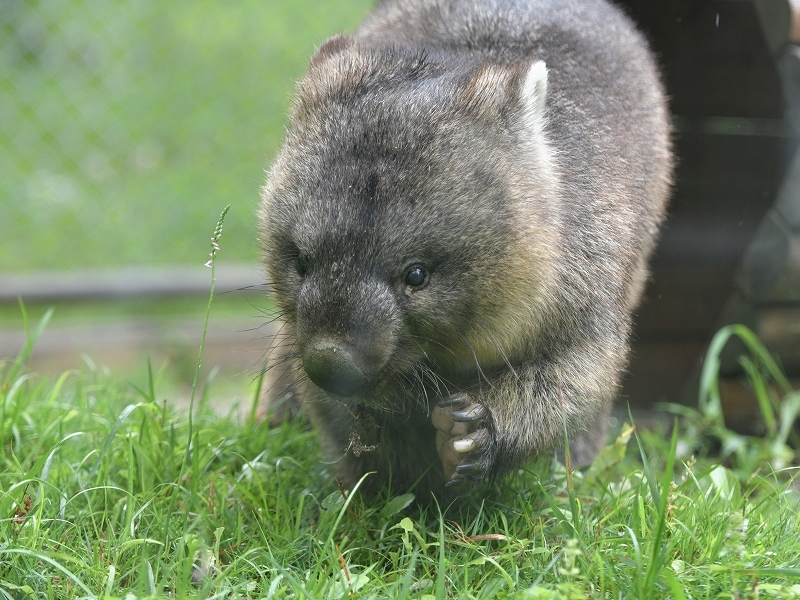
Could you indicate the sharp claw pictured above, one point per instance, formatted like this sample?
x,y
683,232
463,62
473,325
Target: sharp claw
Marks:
x,y
464,446
473,413
455,480
451,401
466,469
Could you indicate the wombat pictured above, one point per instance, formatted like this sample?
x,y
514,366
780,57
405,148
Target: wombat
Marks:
x,y
457,231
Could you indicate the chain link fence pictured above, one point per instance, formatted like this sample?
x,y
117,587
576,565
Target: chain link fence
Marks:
x,y
126,126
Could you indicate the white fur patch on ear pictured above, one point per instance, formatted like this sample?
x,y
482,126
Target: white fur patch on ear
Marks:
x,y
534,92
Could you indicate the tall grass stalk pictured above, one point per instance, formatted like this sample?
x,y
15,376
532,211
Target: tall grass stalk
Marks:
x,y
212,265
192,441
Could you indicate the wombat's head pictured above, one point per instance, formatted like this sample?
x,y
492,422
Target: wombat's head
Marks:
x,y
405,221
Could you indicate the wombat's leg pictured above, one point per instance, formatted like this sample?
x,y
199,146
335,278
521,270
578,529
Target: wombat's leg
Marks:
x,y
457,435
282,394
523,414
282,390
586,444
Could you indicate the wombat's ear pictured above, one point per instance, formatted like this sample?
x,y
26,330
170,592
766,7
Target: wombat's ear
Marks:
x,y
533,93
486,90
330,47
493,89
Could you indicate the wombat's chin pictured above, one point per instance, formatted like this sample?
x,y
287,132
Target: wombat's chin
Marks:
x,y
357,404
379,395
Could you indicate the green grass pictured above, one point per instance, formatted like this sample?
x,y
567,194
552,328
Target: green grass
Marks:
x,y
108,493
124,126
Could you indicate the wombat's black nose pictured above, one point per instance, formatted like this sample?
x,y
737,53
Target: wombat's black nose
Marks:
x,y
333,368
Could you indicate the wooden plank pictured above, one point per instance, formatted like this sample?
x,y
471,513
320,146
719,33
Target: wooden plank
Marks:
x,y
127,282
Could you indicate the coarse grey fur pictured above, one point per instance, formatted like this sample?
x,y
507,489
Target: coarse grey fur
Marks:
x,y
514,154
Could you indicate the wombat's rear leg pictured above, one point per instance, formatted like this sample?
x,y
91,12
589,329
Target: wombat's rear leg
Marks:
x,y
585,445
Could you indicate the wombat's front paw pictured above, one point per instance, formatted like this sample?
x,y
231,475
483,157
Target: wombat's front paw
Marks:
x,y
462,440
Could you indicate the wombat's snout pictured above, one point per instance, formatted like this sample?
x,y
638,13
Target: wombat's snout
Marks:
x,y
334,367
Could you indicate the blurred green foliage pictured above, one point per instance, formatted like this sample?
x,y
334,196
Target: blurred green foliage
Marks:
x,y
126,126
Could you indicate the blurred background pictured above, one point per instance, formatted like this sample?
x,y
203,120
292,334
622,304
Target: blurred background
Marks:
x,y
126,127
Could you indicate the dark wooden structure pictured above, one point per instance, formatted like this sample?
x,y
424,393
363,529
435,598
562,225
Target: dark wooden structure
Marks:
x,y
732,76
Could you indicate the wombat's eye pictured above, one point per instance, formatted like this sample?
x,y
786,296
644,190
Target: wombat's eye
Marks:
x,y
301,264
416,276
